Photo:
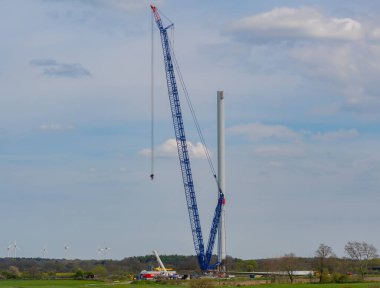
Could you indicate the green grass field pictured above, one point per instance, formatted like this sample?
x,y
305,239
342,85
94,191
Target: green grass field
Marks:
x,y
57,284
98,284
328,285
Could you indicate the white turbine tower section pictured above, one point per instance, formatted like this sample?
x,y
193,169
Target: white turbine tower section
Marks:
x,y
160,263
221,180
163,271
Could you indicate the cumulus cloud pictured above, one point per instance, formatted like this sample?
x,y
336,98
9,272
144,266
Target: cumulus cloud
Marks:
x,y
169,149
295,23
53,68
55,127
350,70
258,131
336,53
327,61
373,32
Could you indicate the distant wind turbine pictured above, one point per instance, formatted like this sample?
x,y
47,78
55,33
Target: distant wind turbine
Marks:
x,y
15,248
103,251
44,251
9,250
106,249
66,248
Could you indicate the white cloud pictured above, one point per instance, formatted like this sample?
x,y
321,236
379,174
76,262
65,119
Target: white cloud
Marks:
x,y
349,70
121,5
327,61
295,23
335,55
169,149
278,137
275,164
56,127
124,5
258,131
53,68
375,34
336,135
279,151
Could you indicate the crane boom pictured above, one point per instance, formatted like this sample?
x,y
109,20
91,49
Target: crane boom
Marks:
x,y
183,154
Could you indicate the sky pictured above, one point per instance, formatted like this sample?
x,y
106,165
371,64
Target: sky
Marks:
x,y
302,109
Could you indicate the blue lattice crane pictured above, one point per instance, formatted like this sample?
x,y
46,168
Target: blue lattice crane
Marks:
x,y
204,257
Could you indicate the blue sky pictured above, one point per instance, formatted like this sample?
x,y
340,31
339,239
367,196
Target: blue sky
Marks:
x,y
302,118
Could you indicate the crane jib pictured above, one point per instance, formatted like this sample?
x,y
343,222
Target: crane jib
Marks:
x,y
204,257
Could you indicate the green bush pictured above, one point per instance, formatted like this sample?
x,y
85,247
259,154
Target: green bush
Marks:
x,y
11,273
326,278
79,274
340,278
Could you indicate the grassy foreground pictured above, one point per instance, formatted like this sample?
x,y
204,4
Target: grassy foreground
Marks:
x,y
57,284
327,285
98,284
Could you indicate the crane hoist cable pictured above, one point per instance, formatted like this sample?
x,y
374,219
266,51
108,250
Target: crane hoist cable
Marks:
x,y
152,148
194,116
188,100
152,101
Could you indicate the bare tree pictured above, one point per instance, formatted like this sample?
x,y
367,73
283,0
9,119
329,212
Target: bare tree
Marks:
x,y
322,253
361,253
289,263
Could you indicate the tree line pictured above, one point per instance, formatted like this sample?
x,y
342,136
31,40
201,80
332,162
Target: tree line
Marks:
x,y
361,258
